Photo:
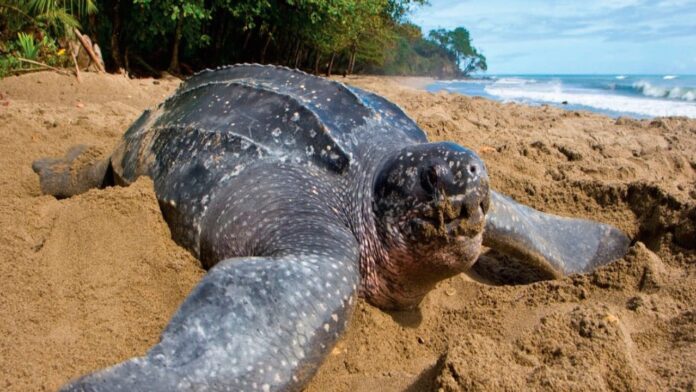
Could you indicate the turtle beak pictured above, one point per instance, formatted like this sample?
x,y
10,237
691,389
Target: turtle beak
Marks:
x,y
459,193
471,215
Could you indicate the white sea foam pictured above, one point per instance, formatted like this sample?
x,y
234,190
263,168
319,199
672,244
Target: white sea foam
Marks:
x,y
618,103
649,90
466,81
514,81
669,77
621,77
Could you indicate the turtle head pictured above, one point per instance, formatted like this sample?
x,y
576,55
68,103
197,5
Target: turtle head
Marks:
x,y
430,204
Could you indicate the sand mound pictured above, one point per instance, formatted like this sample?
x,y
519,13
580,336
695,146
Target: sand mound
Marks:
x,y
91,280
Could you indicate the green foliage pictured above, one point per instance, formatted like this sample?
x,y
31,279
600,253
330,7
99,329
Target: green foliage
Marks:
x,y
458,45
25,46
28,48
72,7
51,54
157,19
412,54
57,17
144,36
8,64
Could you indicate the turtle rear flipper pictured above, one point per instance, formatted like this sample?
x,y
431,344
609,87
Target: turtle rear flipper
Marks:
x,y
555,244
78,171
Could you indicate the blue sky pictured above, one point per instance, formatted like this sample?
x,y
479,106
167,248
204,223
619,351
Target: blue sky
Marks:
x,y
576,37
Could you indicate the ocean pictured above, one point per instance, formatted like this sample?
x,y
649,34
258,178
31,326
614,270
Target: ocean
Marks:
x,y
638,96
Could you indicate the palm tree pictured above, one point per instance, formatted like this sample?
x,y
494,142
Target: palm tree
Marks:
x,y
59,17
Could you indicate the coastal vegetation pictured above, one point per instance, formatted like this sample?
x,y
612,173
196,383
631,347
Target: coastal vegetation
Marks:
x,y
145,37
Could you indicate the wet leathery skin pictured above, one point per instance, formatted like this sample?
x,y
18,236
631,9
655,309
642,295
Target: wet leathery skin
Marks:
x,y
299,194
559,245
330,101
430,202
221,340
216,125
264,210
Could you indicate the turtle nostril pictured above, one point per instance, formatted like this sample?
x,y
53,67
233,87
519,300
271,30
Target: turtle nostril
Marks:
x,y
464,213
430,179
473,169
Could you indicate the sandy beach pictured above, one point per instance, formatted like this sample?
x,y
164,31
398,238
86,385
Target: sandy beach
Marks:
x,y
92,280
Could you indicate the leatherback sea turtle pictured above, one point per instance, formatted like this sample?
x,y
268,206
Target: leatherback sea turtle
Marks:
x,y
300,194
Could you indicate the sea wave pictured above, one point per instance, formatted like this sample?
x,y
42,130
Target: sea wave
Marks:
x,y
617,103
466,81
669,77
515,81
650,90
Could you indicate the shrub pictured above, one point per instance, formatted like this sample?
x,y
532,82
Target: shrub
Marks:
x,y
27,46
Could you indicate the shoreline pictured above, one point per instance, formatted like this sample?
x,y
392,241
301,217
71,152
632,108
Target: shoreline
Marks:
x,y
634,96
92,280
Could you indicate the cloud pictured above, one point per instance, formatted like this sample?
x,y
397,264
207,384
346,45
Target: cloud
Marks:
x,y
570,36
613,20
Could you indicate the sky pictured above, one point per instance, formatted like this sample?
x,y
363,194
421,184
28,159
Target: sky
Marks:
x,y
574,37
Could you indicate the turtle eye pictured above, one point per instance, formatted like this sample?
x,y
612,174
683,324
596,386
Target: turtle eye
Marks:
x,y
430,180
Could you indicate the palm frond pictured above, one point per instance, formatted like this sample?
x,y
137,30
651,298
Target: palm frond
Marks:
x,y
59,19
77,8
80,7
39,7
17,9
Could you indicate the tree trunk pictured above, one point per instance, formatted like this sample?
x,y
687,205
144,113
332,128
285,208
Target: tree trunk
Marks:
x,y
296,53
269,36
247,37
126,62
331,63
298,56
292,52
219,37
115,35
351,62
317,59
283,46
174,63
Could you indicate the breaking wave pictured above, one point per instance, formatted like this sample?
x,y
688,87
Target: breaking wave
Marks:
x,y
614,95
651,107
681,93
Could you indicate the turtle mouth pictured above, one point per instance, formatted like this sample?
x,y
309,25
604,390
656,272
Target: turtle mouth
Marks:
x,y
456,255
468,249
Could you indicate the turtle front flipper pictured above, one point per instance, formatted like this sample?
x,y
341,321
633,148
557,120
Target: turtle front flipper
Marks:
x,y
253,323
81,169
555,244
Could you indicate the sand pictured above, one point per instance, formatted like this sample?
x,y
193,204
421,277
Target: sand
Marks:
x,y
92,280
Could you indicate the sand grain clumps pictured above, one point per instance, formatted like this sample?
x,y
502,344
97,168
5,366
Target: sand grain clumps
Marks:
x,y
581,349
104,282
